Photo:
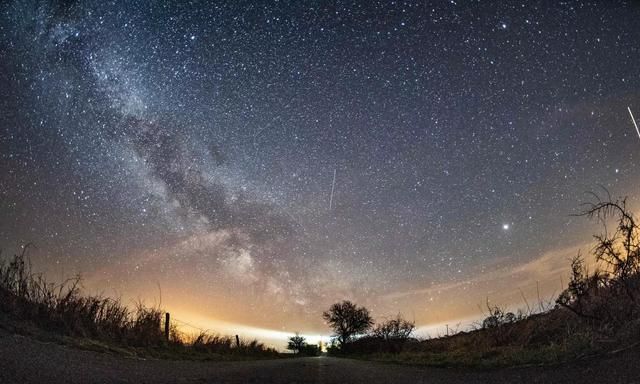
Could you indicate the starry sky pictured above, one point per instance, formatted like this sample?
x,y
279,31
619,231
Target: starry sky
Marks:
x,y
257,161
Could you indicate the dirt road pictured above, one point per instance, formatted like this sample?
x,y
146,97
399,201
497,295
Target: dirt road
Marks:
x,y
25,360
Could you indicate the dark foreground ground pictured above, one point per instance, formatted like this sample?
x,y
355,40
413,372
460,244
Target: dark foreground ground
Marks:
x,y
25,360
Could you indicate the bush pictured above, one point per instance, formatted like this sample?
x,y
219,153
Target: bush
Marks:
x,y
310,350
607,299
394,329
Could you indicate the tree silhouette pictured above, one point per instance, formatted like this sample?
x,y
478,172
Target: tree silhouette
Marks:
x,y
394,329
296,343
347,320
618,249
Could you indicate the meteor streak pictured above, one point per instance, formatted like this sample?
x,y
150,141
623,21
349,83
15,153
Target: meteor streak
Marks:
x,y
333,185
634,121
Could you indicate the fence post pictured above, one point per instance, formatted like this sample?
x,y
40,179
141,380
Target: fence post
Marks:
x,y
166,326
237,341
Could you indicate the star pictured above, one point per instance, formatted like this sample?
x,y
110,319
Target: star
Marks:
x,y
239,157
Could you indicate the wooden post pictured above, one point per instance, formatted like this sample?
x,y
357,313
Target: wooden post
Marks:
x,y
237,341
166,326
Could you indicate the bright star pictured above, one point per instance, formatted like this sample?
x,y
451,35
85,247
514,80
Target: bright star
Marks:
x,y
505,227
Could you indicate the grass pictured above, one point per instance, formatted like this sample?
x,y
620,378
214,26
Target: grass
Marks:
x,y
602,317
550,338
30,305
496,357
599,312
556,336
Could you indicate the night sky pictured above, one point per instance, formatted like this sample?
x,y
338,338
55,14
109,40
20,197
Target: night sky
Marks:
x,y
193,146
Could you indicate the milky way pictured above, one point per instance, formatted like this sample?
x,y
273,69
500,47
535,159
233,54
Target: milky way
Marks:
x,y
261,160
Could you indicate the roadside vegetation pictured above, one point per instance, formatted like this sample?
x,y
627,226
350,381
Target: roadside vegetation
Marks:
x,y
598,313
299,346
29,304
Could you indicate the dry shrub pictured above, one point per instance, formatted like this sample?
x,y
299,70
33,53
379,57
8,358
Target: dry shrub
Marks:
x,y
63,309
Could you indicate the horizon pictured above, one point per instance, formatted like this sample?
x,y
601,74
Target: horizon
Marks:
x,y
247,165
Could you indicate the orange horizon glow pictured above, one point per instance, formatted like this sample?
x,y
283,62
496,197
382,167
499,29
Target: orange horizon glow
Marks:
x,y
456,305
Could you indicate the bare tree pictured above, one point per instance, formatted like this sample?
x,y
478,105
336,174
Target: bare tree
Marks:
x,y
619,250
347,320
